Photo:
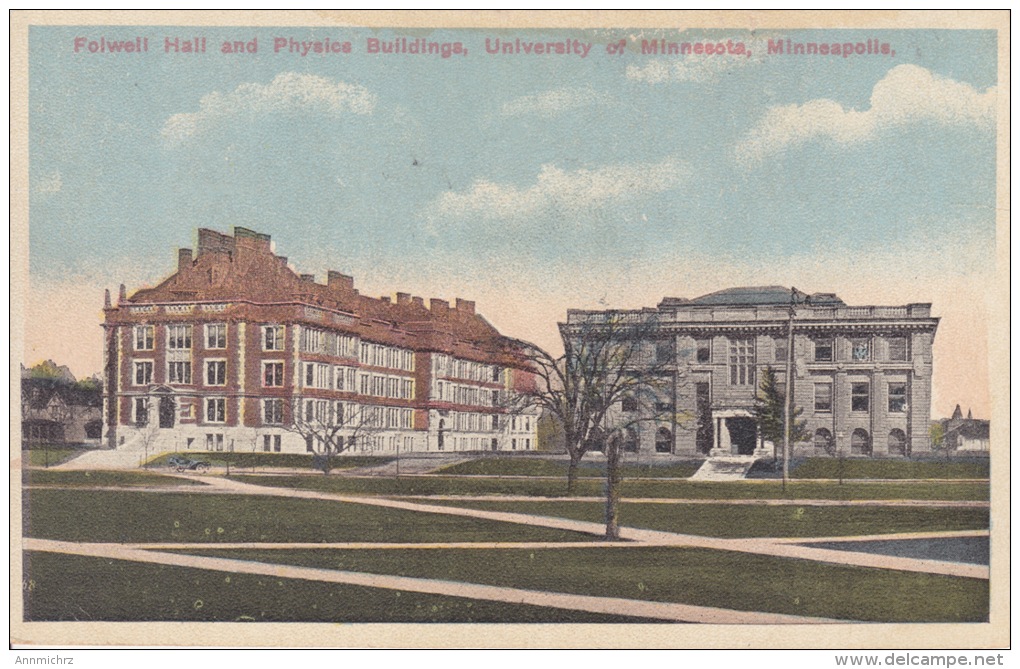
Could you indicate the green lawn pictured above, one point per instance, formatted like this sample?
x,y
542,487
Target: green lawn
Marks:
x,y
742,520
538,487
42,457
102,478
249,460
72,587
686,575
829,468
497,466
124,516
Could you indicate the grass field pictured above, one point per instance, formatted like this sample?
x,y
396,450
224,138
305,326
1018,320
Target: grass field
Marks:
x,y
829,468
728,520
64,587
686,575
41,457
249,460
538,487
99,478
496,466
116,516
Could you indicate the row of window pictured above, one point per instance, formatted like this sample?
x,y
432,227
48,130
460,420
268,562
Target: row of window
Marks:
x,y
860,396
480,443
326,342
273,338
451,367
347,414
179,372
470,395
823,349
378,355
860,442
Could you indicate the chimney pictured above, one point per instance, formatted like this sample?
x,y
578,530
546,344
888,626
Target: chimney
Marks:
x,y
403,298
282,260
106,299
251,239
183,259
439,308
465,306
310,278
339,282
419,301
385,299
123,294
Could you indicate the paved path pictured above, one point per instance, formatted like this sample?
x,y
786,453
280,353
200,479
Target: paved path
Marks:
x,y
647,537
680,500
603,605
406,466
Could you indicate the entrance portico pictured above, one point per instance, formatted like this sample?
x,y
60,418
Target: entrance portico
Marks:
x,y
736,433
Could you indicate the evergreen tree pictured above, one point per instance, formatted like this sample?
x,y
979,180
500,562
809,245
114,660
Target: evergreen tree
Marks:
x,y
769,409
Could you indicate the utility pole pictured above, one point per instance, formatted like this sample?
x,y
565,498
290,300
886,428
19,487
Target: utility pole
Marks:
x,y
788,399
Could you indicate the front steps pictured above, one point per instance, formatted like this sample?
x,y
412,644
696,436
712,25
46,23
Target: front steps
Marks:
x,y
724,468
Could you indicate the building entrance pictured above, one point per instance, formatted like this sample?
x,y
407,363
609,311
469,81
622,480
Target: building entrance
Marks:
x,y
167,409
743,435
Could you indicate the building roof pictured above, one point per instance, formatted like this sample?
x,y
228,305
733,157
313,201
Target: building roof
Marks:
x,y
243,268
755,296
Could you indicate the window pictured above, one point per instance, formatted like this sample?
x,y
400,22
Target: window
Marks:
x,y
742,362
860,349
898,349
143,373
663,440
141,411
704,350
663,352
179,372
897,397
272,374
823,397
272,412
823,350
272,338
216,335
216,373
145,337
823,440
860,442
214,442
215,410
271,442
897,442
779,346
860,396
628,404
496,373
178,337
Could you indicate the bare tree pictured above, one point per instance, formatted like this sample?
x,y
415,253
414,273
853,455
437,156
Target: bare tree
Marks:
x,y
610,359
331,428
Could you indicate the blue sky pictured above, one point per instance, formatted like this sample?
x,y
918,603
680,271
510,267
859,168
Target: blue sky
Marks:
x,y
558,180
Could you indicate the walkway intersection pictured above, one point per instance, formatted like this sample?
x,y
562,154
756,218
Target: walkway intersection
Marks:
x,y
797,548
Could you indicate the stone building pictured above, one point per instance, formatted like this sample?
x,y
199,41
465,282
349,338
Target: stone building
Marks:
x,y
861,374
234,349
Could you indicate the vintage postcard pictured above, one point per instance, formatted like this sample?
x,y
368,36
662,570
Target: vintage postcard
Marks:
x,y
510,329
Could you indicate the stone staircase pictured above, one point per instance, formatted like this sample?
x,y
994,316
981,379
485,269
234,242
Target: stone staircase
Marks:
x,y
129,455
724,468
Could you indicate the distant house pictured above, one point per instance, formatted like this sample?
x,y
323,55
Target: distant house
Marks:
x,y
966,435
56,411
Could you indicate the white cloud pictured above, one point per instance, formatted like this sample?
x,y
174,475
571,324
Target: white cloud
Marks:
x,y
551,103
907,94
288,91
577,190
694,69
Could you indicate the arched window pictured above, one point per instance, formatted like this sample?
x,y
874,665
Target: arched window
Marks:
x,y
860,442
897,442
663,440
630,441
823,440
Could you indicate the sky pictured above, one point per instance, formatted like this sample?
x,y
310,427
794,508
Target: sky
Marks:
x,y
530,183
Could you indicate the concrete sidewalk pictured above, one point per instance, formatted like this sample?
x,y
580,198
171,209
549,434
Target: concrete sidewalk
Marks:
x,y
604,605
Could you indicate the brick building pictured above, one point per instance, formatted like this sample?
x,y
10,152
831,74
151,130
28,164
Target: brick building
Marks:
x,y
234,349
862,375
